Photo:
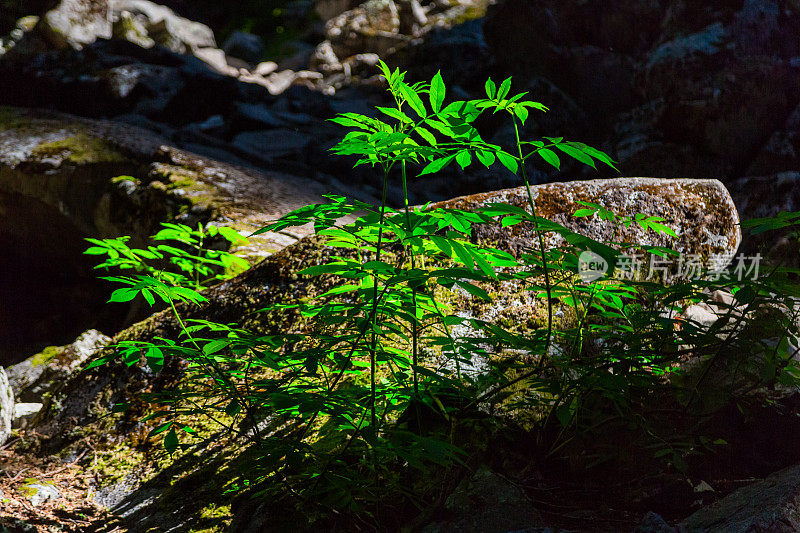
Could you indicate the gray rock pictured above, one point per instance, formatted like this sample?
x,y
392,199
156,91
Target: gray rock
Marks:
x,y
44,372
244,46
217,60
131,28
488,502
758,29
261,116
782,150
76,23
271,144
25,414
706,42
327,9
772,504
265,68
766,196
373,26
6,407
40,492
701,212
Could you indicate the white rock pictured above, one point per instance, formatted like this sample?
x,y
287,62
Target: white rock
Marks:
x,y
6,407
165,27
76,23
216,59
265,68
24,414
38,493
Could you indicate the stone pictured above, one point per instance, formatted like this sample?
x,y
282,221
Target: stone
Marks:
x,y
57,186
760,27
328,9
244,46
164,26
130,28
271,144
781,153
278,82
44,372
265,68
6,407
703,43
25,414
372,27
654,523
701,212
39,492
487,502
772,504
695,208
259,115
217,60
76,23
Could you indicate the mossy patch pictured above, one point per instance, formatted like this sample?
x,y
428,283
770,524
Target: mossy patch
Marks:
x,y
28,489
79,149
45,356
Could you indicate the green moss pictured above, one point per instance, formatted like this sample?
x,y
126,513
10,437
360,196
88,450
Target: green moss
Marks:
x,y
116,462
214,518
80,149
28,491
120,179
45,356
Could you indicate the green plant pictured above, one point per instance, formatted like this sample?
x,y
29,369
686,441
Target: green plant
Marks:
x,y
371,376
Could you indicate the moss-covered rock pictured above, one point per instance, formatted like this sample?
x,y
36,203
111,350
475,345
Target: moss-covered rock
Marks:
x,y
700,211
73,164
44,373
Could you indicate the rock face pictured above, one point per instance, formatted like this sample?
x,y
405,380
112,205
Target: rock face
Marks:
x,y
766,196
6,407
701,212
769,505
711,82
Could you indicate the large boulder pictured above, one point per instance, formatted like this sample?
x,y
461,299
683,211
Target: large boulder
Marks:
x,y
63,179
700,211
772,504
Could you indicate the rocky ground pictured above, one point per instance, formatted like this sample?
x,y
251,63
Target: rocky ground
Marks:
x,y
236,132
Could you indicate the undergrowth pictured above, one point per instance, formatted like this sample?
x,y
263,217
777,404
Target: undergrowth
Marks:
x,y
390,385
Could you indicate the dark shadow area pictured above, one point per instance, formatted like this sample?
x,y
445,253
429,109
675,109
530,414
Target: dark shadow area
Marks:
x,y
49,293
